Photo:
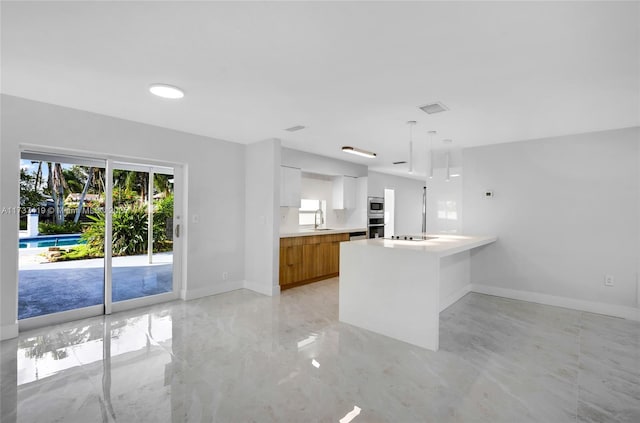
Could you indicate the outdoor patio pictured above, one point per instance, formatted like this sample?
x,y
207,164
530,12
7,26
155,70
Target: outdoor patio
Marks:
x,y
46,288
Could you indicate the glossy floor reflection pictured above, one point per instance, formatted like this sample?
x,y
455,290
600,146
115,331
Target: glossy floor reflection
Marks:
x,y
241,357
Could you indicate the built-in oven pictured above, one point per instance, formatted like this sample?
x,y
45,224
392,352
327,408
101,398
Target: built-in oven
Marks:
x,y
375,217
376,206
376,230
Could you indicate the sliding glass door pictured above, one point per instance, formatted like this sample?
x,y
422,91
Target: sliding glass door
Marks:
x,y
60,270
96,236
142,231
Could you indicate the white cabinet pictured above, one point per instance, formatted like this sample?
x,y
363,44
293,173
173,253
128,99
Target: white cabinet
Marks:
x,y
290,186
344,192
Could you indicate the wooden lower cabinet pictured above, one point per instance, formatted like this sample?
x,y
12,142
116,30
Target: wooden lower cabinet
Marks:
x,y
308,259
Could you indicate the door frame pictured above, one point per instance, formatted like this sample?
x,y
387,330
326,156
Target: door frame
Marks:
x,y
179,250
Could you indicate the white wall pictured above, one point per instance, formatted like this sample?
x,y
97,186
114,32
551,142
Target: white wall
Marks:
x,y
215,179
408,195
262,199
566,213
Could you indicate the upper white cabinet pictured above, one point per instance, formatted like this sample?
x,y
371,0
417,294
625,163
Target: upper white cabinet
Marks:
x,y
344,192
290,186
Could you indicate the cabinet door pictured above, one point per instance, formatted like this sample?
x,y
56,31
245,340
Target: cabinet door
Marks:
x,y
291,264
327,254
290,186
344,192
349,192
311,268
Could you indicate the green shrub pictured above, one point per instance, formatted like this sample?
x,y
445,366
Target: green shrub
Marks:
x,y
66,228
163,212
130,228
129,232
79,252
124,196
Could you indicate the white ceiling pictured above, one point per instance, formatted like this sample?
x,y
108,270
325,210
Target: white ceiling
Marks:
x,y
353,73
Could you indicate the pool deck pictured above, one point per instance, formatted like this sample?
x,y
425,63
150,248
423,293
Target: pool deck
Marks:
x,y
52,287
33,259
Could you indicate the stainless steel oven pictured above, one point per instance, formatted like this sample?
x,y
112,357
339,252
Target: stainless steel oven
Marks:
x,y
375,206
375,217
376,230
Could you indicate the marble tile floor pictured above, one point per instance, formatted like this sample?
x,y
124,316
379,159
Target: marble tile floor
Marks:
x,y
244,357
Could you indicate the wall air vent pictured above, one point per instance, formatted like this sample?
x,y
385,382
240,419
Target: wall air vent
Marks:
x,y
295,128
433,108
400,162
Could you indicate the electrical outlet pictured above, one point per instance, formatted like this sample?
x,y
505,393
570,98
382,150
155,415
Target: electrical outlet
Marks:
x,y
225,276
608,280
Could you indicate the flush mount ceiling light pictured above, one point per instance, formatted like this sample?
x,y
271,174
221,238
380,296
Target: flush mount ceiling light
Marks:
x,y
411,124
295,128
166,91
433,108
358,152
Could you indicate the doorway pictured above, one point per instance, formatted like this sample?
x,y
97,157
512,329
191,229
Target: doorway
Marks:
x,y
96,236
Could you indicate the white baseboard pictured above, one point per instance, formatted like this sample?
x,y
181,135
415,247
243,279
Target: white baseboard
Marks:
x,y
262,288
214,289
8,331
451,299
625,312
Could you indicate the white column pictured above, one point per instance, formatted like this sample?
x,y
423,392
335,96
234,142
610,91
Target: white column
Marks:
x,y
32,223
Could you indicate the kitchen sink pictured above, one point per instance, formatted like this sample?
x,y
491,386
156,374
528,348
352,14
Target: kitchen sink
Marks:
x,y
319,229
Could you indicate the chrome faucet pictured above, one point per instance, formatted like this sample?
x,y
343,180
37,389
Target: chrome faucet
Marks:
x,y
315,219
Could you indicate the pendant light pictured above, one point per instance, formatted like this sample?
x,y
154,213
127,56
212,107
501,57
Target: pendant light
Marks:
x,y
411,124
430,162
448,176
448,159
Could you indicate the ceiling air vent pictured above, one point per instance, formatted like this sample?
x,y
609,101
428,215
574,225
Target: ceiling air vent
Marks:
x,y
433,108
295,128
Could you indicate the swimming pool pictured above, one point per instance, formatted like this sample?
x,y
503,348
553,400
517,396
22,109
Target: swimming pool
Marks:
x,y
51,241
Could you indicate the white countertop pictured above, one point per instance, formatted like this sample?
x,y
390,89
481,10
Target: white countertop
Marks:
x,y
443,245
309,232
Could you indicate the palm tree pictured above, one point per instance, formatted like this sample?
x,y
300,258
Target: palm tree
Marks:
x,y
38,175
162,184
83,195
57,185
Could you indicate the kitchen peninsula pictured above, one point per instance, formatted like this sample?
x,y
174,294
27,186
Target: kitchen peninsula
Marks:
x,y
397,288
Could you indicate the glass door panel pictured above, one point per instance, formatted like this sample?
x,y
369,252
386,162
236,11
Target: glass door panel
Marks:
x,y
61,254
163,206
142,233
